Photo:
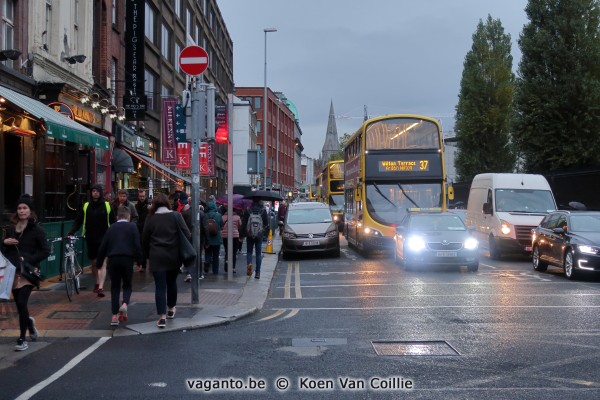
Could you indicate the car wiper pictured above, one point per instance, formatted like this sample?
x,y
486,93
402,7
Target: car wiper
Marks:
x,y
407,196
382,195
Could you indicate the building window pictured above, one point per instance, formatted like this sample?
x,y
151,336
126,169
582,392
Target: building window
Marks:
x,y
188,22
165,91
149,23
257,103
113,81
114,12
48,20
165,42
177,52
8,28
197,34
76,27
149,86
177,7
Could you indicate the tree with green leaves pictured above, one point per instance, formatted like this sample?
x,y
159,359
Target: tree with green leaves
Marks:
x,y
557,101
484,104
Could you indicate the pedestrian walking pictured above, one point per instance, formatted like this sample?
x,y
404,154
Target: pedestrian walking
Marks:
x,y
235,230
141,207
24,238
122,247
253,223
95,217
160,241
122,200
214,222
186,213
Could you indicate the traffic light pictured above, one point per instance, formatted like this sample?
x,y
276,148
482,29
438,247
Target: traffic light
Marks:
x,y
222,134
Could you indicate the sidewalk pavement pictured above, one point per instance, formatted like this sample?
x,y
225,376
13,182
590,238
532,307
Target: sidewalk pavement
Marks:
x,y
221,301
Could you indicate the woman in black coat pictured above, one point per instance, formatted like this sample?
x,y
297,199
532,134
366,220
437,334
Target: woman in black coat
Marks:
x,y
160,241
24,238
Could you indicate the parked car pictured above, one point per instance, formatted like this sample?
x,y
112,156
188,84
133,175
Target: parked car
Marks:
x,y
569,240
442,239
309,228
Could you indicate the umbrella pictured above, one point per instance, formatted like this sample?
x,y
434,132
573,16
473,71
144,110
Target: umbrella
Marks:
x,y
238,201
264,195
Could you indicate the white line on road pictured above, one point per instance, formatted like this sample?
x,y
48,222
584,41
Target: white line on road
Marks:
x,y
69,366
429,307
411,295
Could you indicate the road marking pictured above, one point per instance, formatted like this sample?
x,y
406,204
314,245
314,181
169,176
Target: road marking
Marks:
x,y
274,315
69,366
552,295
487,265
412,284
429,307
297,281
292,313
288,279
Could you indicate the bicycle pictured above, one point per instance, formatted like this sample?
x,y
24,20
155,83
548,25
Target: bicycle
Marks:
x,y
70,267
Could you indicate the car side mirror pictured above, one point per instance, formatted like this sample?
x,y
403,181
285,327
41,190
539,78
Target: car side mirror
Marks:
x,y
487,208
560,231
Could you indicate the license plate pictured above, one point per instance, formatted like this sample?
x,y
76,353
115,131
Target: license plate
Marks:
x,y
445,254
311,243
527,248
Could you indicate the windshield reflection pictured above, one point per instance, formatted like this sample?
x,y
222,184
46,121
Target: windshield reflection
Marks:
x,y
387,203
524,200
336,202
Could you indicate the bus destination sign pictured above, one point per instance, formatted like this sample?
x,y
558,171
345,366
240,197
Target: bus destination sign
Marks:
x,y
403,166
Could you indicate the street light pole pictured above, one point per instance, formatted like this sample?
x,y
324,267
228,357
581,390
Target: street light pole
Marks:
x,y
265,109
277,154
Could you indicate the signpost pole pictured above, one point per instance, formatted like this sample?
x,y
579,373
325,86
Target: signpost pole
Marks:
x,y
197,106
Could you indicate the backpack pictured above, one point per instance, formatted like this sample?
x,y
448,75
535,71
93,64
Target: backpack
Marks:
x,y
213,227
255,226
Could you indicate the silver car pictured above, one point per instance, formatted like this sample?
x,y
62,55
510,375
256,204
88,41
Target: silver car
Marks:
x,y
309,228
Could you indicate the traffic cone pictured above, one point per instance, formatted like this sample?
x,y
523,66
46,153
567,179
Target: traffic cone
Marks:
x,y
269,248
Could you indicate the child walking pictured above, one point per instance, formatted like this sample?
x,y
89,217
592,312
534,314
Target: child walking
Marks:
x,y
122,246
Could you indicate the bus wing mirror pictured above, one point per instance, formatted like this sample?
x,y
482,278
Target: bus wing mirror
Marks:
x,y
450,192
487,208
357,194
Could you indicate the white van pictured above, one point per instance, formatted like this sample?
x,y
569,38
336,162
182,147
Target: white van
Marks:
x,y
503,208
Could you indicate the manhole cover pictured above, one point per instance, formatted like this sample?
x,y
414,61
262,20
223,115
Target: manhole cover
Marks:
x,y
414,348
73,314
312,342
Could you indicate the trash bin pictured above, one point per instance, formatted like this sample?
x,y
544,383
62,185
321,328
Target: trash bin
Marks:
x,y
51,266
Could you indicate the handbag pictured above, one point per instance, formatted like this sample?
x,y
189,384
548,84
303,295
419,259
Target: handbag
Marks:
x,y
187,253
30,272
7,277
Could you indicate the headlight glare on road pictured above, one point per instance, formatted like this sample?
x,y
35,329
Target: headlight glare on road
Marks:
x,y
416,243
471,244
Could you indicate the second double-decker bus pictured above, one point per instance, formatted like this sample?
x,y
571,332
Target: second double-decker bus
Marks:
x,y
332,191
393,164
319,184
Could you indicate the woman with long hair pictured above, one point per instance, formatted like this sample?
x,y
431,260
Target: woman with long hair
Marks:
x,y
24,238
160,241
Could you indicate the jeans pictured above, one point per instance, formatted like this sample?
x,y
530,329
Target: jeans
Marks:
x,y
165,293
120,268
212,257
21,297
254,244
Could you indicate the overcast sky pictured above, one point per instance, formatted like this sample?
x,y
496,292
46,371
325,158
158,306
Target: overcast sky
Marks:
x,y
394,56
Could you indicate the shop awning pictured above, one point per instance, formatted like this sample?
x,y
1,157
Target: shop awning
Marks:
x,y
158,167
121,161
57,125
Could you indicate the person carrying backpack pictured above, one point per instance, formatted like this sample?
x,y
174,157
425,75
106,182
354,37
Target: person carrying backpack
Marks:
x,y
214,223
253,223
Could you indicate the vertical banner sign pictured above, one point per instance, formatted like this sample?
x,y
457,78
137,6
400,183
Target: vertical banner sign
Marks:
x,y
134,100
169,145
184,155
207,159
180,128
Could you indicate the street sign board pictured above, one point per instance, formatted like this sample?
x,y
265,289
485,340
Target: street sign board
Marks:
x,y
193,60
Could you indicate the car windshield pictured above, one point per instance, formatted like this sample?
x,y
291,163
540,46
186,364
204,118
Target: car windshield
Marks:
x,y
585,223
436,223
308,216
524,200
336,202
388,203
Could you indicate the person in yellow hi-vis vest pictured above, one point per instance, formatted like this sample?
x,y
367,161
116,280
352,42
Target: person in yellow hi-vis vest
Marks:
x,y
96,216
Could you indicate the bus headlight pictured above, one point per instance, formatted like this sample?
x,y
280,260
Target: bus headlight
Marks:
x,y
373,232
336,218
471,244
416,243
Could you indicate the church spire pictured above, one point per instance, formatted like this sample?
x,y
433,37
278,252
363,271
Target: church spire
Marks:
x,y
332,143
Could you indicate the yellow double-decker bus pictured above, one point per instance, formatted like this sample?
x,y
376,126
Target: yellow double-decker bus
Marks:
x,y
332,191
393,164
319,184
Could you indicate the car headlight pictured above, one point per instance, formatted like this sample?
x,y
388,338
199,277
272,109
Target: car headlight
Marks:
x,y
333,233
588,249
416,243
505,228
336,218
289,235
471,244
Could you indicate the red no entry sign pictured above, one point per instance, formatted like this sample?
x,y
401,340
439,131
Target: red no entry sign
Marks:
x,y
193,60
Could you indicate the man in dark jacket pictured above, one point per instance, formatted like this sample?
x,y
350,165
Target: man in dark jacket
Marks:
x,y
96,216
142,210
122,200
186,213
254,243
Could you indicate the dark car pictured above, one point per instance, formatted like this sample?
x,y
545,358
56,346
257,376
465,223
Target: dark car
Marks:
x,y
424,239
568,240
309,228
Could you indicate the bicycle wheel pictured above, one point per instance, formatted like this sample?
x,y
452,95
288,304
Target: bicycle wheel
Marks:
x,y
69,278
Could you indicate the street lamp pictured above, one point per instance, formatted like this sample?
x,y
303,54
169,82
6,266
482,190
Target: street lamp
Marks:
x,y
265,111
